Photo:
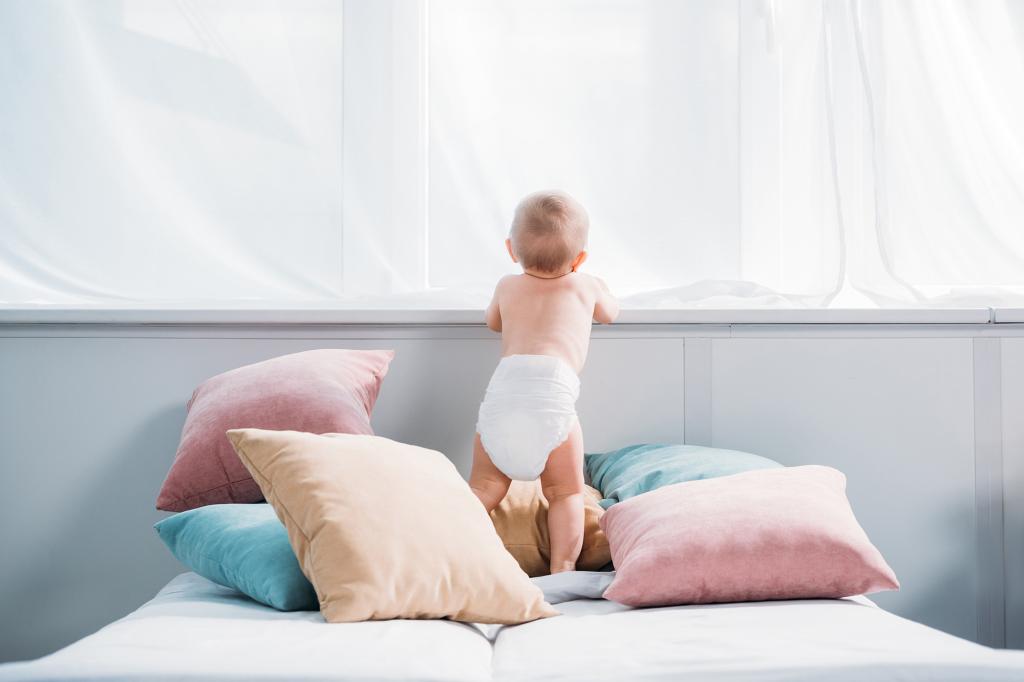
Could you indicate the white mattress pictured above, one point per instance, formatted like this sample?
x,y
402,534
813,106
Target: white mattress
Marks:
x,y
195,630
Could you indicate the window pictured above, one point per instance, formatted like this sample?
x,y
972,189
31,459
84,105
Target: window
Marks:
x,y
370,152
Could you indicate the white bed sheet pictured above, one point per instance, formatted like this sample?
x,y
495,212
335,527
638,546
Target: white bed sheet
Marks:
x,y
842,640
195,630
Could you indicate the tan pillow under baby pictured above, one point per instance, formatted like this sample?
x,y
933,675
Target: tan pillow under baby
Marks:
x,y
387,530
522,522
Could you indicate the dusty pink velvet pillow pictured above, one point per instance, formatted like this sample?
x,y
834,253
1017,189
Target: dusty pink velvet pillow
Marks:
x,y
772,534
318,391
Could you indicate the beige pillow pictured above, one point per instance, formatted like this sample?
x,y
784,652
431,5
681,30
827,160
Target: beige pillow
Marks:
x,y
387,530
522,523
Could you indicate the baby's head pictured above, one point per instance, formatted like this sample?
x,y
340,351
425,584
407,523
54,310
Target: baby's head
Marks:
x,y
549,233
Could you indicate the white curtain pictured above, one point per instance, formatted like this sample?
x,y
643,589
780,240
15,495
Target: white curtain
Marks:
x,y
154,151
945,102
370,152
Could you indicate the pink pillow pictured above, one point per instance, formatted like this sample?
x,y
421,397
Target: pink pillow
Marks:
x,y
319,391
771,534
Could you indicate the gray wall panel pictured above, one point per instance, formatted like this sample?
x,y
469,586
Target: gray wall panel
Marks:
x,y
89,427
1013,488
90,418
895,415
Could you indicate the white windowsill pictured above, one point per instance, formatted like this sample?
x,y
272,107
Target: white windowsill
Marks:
x,y
1008,315
434,317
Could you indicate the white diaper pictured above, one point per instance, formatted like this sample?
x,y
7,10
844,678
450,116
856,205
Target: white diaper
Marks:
x,y
528,410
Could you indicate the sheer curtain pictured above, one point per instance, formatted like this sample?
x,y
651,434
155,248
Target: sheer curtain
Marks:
x,y
170,151
941,82
370,152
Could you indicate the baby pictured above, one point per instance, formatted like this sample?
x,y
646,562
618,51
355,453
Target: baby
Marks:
x,y
527,426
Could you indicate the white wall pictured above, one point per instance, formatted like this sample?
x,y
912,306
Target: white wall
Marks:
x,y
90,416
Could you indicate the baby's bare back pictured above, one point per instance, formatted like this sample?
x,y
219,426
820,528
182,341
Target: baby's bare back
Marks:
x,y
547,316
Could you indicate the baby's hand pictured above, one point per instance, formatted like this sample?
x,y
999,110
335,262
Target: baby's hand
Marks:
x,y
492,315
606,306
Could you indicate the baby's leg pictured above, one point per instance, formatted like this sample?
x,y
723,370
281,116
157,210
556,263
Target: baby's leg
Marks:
x,y
562,481
487,480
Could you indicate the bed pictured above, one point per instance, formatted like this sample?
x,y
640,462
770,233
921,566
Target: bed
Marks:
x,y
196,630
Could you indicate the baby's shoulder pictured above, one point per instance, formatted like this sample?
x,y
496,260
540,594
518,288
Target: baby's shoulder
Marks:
x,y
508,287
586,282
508,282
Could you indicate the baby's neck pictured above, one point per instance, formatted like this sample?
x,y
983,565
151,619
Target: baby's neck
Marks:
x,y
546,275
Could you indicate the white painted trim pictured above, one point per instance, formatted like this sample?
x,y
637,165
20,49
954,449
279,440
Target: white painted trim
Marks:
x,y
335,331
213,329
322,314
1008,315
868,330
698,369
988,476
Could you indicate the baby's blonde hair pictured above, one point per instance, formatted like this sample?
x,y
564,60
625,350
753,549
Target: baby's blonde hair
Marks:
x,y
548,231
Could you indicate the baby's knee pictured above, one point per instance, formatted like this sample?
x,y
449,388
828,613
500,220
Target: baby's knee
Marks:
x,y
489,491
558,492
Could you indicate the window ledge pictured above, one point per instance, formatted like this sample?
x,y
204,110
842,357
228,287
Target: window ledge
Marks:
x,y
447,317
1008,315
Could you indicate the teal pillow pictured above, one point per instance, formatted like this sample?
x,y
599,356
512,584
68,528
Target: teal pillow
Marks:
x,y
241,546
637,469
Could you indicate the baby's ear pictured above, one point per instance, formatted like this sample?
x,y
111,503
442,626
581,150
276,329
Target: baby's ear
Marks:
x,y
508,245
581,257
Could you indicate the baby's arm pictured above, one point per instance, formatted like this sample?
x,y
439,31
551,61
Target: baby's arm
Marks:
x,y
492,316
606,306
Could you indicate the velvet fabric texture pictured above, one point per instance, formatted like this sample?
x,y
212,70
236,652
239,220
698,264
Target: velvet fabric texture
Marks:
x,y
637,469
774,534
319,391
522,523
241,546
387,530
